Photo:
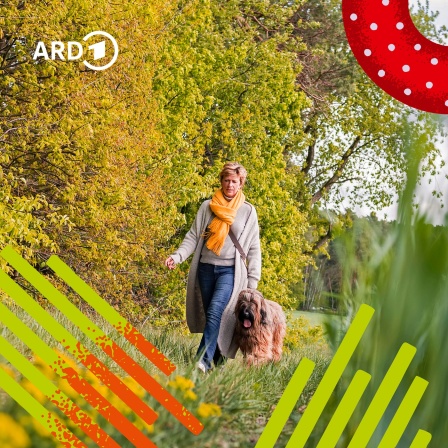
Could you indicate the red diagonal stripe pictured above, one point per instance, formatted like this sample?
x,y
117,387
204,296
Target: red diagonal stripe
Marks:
x,y
111,315
83,421
146,348
62,434
113,382
105,408
140,375
152,386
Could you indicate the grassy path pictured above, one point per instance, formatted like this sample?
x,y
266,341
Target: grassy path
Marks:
x,y
245,397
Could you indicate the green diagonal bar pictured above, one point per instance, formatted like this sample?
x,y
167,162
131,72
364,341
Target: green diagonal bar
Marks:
x,y
345,410
43,384
85,291
92,331
31,405
36,344
35,376
404,413
35,310
383,396
48,355
421,440
330,379
47,322
286,404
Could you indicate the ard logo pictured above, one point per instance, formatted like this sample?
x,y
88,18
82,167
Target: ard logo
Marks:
x,y
73,51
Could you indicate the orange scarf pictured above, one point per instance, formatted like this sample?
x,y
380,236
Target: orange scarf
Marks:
x,y
225,213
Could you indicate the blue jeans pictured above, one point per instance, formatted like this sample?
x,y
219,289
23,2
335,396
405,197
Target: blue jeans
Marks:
x,y
216,283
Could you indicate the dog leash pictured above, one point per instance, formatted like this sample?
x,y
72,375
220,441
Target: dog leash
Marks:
x,y
238,247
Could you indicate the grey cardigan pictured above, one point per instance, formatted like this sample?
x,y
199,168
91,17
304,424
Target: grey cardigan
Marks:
x,y
244,278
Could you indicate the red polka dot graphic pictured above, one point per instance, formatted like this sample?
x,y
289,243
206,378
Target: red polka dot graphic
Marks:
x,y
395,55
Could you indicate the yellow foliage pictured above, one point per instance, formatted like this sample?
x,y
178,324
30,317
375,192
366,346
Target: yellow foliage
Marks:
x,y
8,370
12,435
33,390
143,426
300,333
44,368
30,422
134,386
181,383
185,385
206,410
190,395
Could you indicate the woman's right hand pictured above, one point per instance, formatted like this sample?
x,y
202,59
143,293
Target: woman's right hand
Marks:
x,y
169,263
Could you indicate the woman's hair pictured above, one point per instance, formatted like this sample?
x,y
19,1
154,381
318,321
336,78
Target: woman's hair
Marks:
x,y
234,168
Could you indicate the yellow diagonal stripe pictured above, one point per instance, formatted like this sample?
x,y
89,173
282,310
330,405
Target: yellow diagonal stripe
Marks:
x,y
383,396
286,404
404,413
421,440
345,410
330,379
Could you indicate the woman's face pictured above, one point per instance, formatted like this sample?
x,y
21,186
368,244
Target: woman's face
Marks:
x,y
230,185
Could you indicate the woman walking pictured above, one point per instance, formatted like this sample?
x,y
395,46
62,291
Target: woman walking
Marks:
x,y
218,272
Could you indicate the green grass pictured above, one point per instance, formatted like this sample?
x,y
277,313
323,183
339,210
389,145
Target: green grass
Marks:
x,y
404,278
316,318
245,395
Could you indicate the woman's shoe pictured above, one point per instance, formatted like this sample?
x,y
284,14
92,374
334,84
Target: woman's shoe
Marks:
x,y
201,367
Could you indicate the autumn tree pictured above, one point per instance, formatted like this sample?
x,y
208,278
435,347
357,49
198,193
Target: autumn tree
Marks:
x,y
82,172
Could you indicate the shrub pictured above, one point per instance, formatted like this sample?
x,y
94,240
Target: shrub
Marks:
x,y
300,334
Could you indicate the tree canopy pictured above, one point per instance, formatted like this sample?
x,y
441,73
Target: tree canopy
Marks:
x,y
107,169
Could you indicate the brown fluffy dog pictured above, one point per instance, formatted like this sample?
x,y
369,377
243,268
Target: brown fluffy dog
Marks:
x,y
260,327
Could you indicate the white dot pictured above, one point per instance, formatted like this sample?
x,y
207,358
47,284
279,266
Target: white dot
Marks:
x,y
406,68
391,47
367,52
400,26
407,92
385,2
381,73
417,47
429,85
434,61
446,103
373,26
353,17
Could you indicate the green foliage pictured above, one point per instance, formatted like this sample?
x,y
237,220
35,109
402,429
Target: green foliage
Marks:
x,y
81,171
107,169
242,105
424,19
404,279
323,282
354,149
300,334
